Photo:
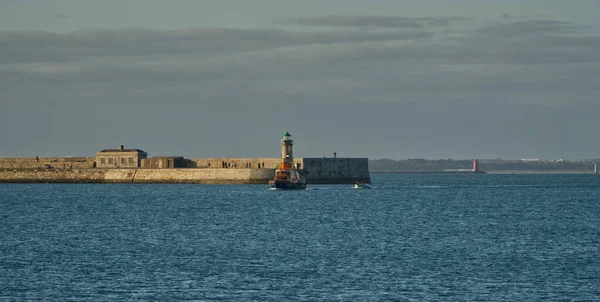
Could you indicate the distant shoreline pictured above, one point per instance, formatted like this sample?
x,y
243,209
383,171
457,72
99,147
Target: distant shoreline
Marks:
x,y
541,172
489,172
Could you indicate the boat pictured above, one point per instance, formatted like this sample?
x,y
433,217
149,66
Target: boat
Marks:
x,y
287,176
362,185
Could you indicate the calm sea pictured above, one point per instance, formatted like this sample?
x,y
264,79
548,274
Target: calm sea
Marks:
x,y
412,238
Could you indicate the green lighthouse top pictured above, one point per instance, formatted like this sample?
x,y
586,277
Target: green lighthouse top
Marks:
x,y
287,137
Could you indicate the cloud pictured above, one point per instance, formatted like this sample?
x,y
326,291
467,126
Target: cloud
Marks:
x,y
529,27
51,47
209,55
61,16
534,42
377,21
522,42
446,84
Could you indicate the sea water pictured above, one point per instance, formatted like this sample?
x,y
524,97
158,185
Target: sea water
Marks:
x,y
413,237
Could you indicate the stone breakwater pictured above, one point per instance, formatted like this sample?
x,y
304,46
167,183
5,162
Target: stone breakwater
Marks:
x,y
184,175
57,162
201,171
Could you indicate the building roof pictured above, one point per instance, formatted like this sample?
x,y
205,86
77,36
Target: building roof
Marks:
x,y
123,150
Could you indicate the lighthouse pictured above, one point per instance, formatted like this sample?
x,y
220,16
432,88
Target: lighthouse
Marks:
x,y
287,177
475,166
287,149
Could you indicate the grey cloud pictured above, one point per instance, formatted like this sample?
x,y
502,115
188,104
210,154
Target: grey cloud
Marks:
x,y
474,52
378,21
530,27
526,42
395,22
590,42
61,16
390,79
518,43
18,47
209,55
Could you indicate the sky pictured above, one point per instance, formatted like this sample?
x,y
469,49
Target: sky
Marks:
x,y
395,79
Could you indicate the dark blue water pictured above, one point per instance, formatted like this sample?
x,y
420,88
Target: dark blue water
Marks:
x,y
412,238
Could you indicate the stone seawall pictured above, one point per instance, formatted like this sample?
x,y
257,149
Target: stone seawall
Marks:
x,y
270,163
80,169
186,175
56,162
52,176
336,170
206,176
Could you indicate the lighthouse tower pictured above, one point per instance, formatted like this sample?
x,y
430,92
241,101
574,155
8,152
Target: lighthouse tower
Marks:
x,y
287,149
475,166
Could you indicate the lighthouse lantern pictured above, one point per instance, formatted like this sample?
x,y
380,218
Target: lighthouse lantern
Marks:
x,y
287,137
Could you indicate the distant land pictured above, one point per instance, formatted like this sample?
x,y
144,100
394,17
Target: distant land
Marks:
x,y
487,165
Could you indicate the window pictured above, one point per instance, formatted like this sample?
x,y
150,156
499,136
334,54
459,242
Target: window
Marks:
x,y
110,160
123,161
102,160
131,160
